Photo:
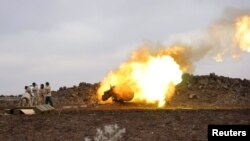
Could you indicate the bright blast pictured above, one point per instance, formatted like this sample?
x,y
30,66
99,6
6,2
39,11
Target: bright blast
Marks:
x,y
146,78
150,76
242,35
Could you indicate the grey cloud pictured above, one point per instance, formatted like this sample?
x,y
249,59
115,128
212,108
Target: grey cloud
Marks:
x,y
90,36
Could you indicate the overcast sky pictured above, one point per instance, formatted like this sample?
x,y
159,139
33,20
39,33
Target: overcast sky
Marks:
x,y
67,42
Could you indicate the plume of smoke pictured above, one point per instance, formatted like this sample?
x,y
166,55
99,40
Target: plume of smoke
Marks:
x,y
217,42
220,36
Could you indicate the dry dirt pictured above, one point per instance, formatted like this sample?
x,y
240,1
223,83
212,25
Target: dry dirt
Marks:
x,y
140,123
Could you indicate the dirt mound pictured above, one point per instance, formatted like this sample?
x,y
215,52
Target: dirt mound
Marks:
x,y
194,91
8,101
212,90
84,93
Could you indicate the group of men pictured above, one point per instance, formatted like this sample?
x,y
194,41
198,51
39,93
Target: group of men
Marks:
x,y
36,96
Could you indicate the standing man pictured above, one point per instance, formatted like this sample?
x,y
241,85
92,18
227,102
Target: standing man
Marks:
x,y
35,93
41,94
48,98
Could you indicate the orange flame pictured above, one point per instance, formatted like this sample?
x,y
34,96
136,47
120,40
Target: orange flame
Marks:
x,y
147,77
242,36
151,76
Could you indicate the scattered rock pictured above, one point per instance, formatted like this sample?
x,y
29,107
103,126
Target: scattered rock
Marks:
x,y
193,96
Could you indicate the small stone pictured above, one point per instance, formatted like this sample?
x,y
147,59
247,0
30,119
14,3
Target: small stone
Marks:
x,y
193,96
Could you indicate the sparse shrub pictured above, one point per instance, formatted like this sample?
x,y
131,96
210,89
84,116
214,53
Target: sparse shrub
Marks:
x,y
108,133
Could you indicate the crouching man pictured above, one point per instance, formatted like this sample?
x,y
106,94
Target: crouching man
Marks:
x,y
26,98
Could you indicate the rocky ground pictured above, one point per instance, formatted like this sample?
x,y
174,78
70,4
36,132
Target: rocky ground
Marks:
x,y
198,101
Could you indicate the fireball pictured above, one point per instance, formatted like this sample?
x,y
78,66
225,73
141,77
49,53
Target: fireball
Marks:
x,y
145,78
